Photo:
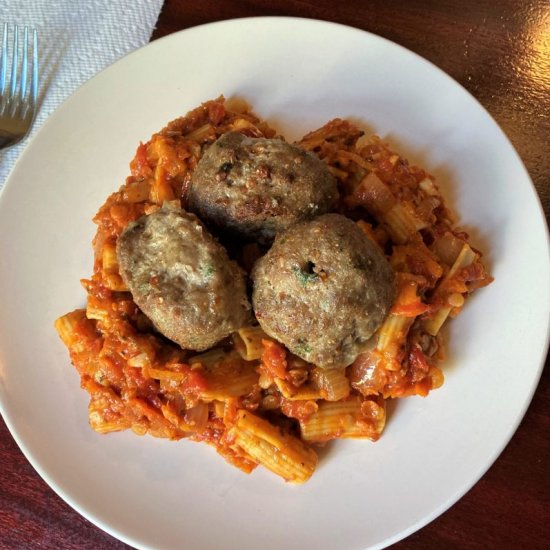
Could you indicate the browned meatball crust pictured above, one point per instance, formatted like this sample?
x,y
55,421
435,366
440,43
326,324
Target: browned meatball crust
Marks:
x,y
182,278
322,290
256,187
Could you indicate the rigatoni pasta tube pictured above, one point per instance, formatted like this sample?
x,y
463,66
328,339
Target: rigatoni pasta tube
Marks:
x,y
333,384
464,259
402,222
231,378
248,342
391,336
78,332
66,327
352,418
283,454
303,393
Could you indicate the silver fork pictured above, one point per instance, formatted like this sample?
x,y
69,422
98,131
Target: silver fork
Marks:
x,y
19,91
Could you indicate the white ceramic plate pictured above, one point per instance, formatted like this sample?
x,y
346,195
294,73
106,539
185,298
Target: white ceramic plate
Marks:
x,y
298,74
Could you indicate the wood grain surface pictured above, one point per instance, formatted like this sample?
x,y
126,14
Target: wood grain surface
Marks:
x,y
500,52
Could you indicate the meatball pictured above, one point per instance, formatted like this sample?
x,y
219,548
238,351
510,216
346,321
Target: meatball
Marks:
x,y
322,290
182,278
256,187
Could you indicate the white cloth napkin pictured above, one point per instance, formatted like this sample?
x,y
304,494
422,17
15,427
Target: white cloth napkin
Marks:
x,y
76,40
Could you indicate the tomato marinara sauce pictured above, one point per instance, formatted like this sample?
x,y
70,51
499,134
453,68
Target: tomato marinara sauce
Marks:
x,y
249,396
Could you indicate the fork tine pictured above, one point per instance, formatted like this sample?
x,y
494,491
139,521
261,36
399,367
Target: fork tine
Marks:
x,y
14,62
4,62
19,86
34,83
23,89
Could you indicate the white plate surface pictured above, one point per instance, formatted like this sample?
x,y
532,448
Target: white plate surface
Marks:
x,y
298,74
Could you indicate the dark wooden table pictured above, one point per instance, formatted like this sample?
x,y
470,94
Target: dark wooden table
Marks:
x,y
498,50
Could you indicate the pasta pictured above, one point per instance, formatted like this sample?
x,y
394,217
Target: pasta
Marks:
x,y
248,342
351,418
279,452
249,397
